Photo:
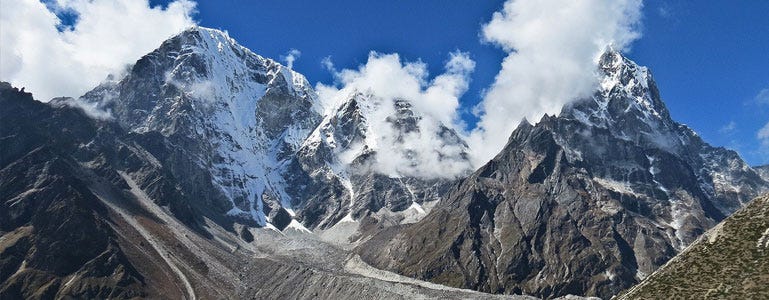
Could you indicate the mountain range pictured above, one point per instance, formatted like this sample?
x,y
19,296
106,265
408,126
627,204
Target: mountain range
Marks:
x,y
209,171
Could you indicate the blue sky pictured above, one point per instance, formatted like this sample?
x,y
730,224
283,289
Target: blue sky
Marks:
x,y
710,58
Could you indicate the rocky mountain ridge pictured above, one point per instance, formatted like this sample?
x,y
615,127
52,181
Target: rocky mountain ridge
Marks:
x,y
588,202
90,210
258,129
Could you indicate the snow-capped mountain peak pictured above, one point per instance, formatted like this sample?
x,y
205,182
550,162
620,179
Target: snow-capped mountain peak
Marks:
x,y
240,115
275,154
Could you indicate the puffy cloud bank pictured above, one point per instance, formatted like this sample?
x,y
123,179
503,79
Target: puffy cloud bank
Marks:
x,y
51,60
385,79
552,51
553,47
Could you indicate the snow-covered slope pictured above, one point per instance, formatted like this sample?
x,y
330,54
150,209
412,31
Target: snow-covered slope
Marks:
x,y
256,131
237,114
763,171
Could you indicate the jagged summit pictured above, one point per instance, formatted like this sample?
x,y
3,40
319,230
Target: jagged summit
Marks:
x,y
626,94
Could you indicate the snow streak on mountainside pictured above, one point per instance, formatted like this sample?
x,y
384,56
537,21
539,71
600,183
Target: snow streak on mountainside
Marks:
x,y
588,202
256,127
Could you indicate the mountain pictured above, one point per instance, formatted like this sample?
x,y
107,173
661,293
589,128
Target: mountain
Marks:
x,y
208,171
730,261
90,210
254,140
588,202
152,184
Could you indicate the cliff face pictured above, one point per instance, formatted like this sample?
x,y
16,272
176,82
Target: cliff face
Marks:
x,y
588,203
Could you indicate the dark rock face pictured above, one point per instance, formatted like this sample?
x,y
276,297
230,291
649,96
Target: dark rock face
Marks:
x,y
731,261
587,203
58,239
76,211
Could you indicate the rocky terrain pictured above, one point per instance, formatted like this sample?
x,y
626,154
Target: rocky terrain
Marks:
x,y
589,202
89,212
730,261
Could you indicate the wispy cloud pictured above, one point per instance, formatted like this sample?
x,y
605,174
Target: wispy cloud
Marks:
x,y
664,10
763,133
54,60
328,64
763,139
290,57
728,129
552,46
763,96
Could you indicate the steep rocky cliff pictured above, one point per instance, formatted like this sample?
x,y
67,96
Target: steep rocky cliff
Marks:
x,y
588,202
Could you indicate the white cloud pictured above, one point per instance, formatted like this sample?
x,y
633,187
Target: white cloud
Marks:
x,y
108,35
763,96
763,138
388,79
328,64
728,129
553,47
763,133
197,88
291,57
